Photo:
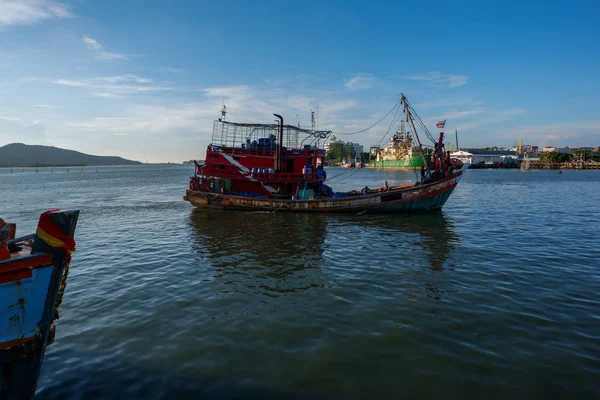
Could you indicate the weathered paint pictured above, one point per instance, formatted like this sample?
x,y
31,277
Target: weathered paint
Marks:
x,y
27,307
22,304
415,198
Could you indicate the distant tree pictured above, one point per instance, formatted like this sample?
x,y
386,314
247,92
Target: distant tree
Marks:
x,y
549,156
365,157
339,151
553,156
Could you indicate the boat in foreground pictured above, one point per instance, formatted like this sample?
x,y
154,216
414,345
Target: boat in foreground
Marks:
x,y
279,167
33,275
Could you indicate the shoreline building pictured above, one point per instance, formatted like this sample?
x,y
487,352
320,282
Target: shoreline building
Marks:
x,y
480,158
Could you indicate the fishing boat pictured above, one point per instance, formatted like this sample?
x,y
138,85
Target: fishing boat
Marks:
x,y
33,276
358,163
277,167
347,164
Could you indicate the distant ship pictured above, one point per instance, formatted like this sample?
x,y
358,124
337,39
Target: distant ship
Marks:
x,y
399,153
346,164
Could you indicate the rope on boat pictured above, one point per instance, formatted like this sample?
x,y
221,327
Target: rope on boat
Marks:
x,y
53,236
63,282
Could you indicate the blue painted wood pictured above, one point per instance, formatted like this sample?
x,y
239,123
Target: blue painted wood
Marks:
x,y
27,312
22,304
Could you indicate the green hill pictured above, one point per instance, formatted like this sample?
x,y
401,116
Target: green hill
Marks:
x,y
23,155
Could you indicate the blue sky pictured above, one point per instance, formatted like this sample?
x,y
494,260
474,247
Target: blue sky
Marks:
x,y
145,79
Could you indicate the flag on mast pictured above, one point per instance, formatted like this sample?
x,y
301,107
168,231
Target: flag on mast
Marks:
x,y
441,124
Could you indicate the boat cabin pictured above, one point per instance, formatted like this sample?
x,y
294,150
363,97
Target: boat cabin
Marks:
x,y
258,160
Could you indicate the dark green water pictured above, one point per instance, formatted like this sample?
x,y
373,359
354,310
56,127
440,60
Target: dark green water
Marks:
x,y
495,297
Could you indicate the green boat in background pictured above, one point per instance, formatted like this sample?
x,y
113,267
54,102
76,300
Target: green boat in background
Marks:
x,y
399,153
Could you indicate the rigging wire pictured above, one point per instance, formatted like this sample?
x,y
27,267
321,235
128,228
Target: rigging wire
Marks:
x,y
239,116
419,121
382,140
343,176
376,123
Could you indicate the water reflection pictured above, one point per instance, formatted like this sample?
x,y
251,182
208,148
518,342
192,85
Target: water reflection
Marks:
x,y
435,233
272,254
276,254
411,254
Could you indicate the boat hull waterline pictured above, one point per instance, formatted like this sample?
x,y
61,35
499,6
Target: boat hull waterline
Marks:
x,y
412,198
407,163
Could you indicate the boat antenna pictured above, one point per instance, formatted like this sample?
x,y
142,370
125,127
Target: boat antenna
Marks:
x,y
223,112
313,123
316,112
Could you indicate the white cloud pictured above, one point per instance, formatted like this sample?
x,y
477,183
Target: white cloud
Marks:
x,y
331,107
585,133
171,70
111,86
101,53
491,118
190,124
440,79
245,104
125,78
462,114
26,12
106,55
152,120
447,102
91,43
361,81
13,130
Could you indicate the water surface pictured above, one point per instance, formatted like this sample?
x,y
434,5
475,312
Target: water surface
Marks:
x,y
496,296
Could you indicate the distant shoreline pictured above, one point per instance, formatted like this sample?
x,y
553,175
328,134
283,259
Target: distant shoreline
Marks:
x,y
84,165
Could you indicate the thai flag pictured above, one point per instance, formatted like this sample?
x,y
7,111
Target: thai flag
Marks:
x,y
441,124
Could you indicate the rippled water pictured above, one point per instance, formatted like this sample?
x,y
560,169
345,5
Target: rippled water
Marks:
x,y
496,296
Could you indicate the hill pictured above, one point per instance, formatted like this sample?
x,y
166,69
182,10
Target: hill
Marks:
x,y
23,155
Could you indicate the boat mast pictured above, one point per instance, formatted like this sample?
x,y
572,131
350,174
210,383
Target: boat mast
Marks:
x,y
409,117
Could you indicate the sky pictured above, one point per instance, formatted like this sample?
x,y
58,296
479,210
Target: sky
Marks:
x,y
146,79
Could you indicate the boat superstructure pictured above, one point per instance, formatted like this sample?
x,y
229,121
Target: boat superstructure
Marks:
x,y
260,160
